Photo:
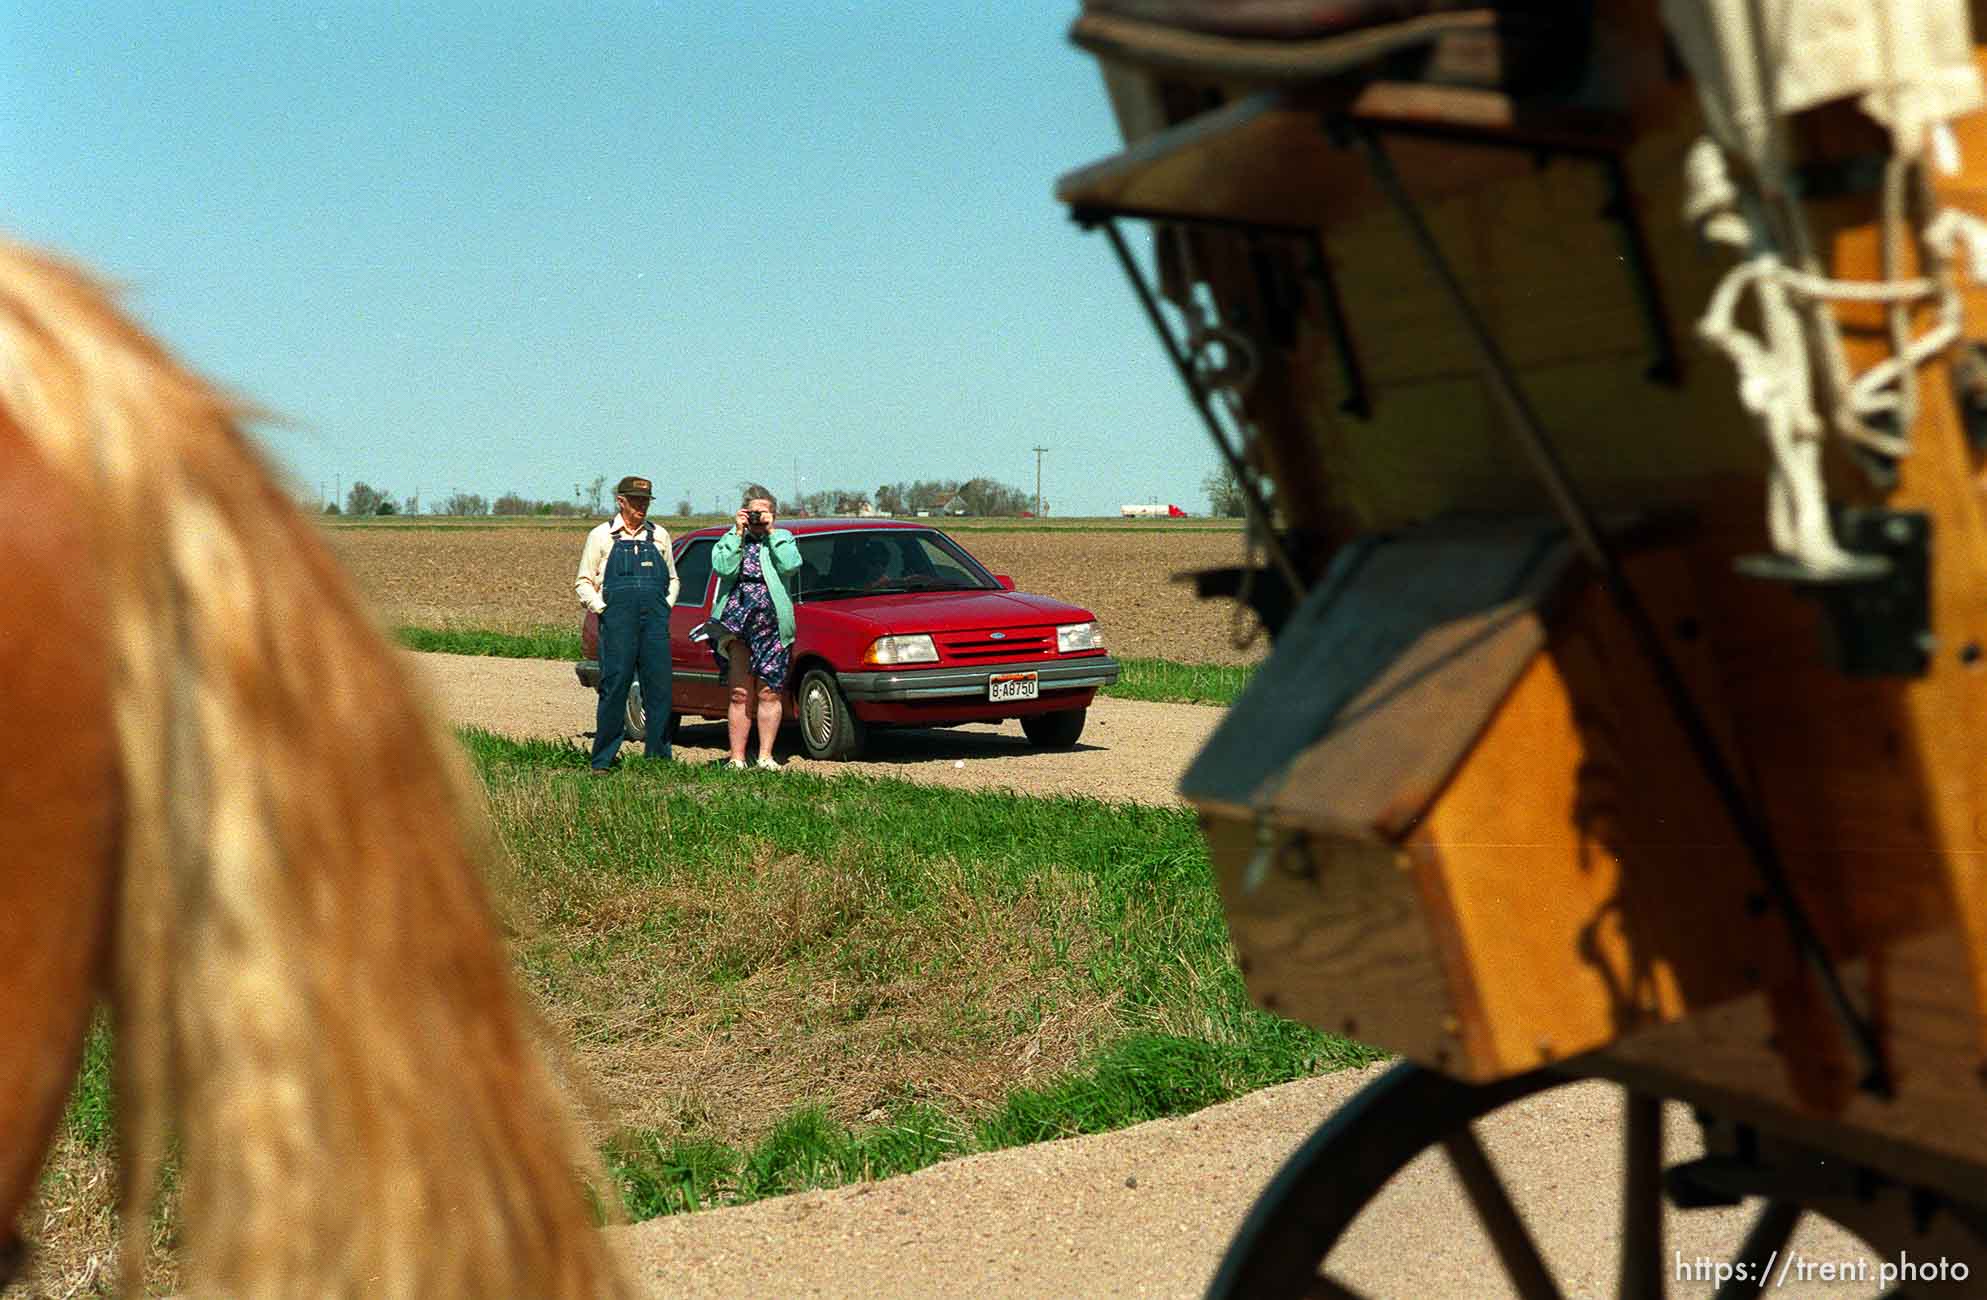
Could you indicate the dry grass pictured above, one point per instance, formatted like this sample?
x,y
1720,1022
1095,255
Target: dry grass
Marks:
x,y
707,1007
72,1227
516,579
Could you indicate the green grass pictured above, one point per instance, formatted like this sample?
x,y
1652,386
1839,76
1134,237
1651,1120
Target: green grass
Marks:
x,y
927,933
1165,681
857,977
89,1119
1159,680
540,643
1137,1079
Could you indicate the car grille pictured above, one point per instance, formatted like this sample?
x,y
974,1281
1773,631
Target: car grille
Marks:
x,y
983,647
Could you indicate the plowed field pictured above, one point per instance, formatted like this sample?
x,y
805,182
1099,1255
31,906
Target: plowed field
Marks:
x,y
513,579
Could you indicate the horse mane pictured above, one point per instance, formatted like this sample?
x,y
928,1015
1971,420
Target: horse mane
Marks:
x,y
309,992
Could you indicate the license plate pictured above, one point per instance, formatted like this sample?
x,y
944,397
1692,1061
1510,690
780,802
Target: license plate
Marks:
x,y
1012,686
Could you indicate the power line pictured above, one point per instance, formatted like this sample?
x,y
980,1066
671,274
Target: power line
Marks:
x,y
1038,480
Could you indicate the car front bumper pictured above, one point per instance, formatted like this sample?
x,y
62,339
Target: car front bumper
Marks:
x,y
952,683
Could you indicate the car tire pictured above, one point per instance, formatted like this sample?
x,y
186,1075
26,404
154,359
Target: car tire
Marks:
x,y
638,718
828,728
1054,730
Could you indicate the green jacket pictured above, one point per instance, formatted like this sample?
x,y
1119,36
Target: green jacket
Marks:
x,y
779,555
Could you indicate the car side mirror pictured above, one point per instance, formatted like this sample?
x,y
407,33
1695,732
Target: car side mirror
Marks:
x,y
1006,583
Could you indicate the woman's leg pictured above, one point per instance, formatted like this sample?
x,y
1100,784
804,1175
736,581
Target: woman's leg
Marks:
x,y
769,717
738,717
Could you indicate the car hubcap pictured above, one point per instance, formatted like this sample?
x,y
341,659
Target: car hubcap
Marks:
x,y
816,715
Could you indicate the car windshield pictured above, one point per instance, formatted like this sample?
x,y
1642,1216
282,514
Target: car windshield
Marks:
x,y
878,561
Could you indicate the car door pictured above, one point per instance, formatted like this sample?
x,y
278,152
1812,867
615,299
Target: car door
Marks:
x,y
696,686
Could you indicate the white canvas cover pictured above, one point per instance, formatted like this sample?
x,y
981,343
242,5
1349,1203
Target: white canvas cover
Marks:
x,y
1909,63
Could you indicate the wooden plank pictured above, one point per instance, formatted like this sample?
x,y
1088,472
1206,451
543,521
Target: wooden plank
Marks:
x,y
1593,884
1266,158
1385,674
1332,935
1211,57
1777,1060
1377,769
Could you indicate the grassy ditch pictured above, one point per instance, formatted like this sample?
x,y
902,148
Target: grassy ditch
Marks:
x,y
1159,680
782,981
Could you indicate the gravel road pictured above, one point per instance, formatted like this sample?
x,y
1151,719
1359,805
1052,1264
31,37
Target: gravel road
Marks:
x,y
1146,1211
1130,750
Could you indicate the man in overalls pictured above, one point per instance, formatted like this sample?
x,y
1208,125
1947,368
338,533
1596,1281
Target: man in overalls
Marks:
x,y
628,577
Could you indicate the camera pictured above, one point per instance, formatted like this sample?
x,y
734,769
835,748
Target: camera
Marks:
x,y
757,518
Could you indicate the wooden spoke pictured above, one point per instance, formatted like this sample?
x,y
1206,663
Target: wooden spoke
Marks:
x,y
1499,1216
1642,1199
1770,1234
1284,1248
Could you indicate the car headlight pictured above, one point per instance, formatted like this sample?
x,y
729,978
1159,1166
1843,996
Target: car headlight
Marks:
x,y
1078,636
901,650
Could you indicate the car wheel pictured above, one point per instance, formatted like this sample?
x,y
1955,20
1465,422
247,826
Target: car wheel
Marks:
x,y
638,718
827,728
1054,730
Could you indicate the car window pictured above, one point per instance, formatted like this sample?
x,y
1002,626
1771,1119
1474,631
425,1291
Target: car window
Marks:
x,y
856,560
947,564
693,570
815,559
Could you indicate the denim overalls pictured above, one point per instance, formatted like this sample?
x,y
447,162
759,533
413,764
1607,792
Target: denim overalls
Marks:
x,y
634,644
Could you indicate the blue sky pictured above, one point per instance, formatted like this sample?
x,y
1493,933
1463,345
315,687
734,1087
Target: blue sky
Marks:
x,y
494,248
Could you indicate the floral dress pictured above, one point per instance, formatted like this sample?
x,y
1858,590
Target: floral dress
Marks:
x,y
750,617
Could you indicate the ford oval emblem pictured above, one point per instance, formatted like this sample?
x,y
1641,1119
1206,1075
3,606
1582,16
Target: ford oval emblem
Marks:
x,y
999,636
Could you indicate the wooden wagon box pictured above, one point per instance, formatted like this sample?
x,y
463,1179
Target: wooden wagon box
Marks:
x,y
1454,817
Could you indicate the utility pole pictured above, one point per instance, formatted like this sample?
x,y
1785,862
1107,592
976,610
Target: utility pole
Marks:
x,y
1038,480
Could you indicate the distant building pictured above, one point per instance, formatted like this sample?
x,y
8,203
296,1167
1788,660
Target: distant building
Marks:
x,y
956,506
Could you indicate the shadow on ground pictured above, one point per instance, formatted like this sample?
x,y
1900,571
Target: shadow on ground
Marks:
x,y
909,746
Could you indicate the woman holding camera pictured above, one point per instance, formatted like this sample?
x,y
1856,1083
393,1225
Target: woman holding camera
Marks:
x,y
753,618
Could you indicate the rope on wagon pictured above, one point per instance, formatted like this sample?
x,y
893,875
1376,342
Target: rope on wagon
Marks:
x,y
1909,62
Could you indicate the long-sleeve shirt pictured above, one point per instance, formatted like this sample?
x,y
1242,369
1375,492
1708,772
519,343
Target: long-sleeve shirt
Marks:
x,y
600,545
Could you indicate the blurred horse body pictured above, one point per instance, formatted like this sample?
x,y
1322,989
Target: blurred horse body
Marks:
x,y
224,809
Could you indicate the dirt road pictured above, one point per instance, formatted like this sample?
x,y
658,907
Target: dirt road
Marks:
x,y
1129,750
1146,1211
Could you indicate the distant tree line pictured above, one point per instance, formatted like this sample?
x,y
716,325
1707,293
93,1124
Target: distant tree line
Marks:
x,y
365,499
976,496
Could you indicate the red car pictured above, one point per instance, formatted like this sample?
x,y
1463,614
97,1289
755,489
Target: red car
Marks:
x,y
895,625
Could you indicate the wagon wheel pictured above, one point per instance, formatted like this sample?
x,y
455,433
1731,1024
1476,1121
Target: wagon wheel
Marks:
x,y
1323,1187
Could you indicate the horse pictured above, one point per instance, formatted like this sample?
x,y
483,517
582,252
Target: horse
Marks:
x,y
228,814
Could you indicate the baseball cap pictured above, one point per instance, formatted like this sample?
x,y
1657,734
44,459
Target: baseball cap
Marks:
x,y
633,487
